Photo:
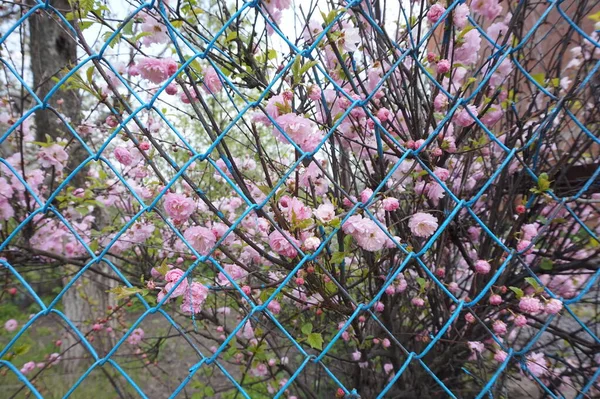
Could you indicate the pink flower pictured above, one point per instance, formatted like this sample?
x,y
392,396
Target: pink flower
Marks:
x,y
123,155
53,156
11,325
435,12
463,118
157,29
384,114
388,368
476,346
193,298
491,116
378,306
294,209
536,364
171,89
6,191
235,272
365,195
499,327
212,83
390,204
482,267
500,356
369,236
28,368
468,52
529,304
495,299
488,8
261,370
356,355
312,243
54,359
418,302
520,321
301,130
172,277
156,70
441,173
200,238
136,336
461,12
325,213
352,224
469,318
423,224
247,331
282,245
522,245
443,66
440,101
529,231
314,92
274,307
553,306
179,207
386,343
496,30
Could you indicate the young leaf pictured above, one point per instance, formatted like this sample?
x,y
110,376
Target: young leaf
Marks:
x,y
518,292
307,329
338,257
546,264
532,282
315,340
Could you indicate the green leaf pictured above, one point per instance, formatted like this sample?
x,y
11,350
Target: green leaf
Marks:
x,y
328,18
307,328
315,340
546,264
89,73
22,349
128,28
532,282
595,17
422,283
86,24
347,242
543,182
163,268
231,36
337,257
307,66
271,54
336,223
540,78
518,292
296,69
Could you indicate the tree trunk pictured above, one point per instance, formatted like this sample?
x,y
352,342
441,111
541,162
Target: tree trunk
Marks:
x,y
53,50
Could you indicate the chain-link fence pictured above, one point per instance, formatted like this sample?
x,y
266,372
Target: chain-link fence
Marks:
x,y
358,300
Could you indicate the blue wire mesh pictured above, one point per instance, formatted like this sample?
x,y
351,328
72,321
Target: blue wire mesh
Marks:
x,y
464,205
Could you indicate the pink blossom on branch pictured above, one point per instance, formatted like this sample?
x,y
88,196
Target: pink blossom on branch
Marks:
x,y
156,70
212,82
423,224
179,207
282,245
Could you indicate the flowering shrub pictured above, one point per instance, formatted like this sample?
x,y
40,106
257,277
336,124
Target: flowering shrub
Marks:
x,y
365,204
